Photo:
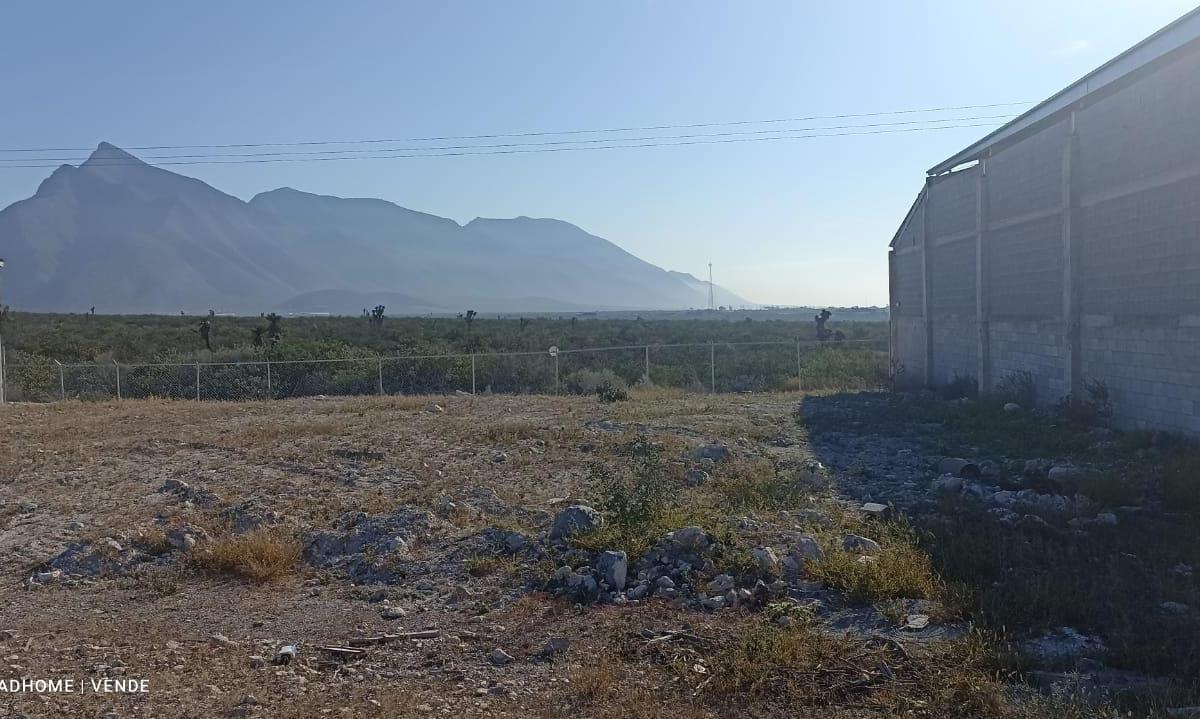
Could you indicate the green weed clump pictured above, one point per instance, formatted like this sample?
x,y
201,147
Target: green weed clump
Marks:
x,y
901,569
755,485
638,509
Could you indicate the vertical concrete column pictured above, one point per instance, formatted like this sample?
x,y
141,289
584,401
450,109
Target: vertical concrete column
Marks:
x,y
892,328
983,313
1071,311
927,278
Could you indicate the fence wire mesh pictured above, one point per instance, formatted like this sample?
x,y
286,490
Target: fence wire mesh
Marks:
x,y
698,367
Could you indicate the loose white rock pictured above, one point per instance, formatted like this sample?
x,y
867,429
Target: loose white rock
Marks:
x,y
861,545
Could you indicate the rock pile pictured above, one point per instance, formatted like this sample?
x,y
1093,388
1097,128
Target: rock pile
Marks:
x,y
249,516
677,567
87,560
188,494
368,548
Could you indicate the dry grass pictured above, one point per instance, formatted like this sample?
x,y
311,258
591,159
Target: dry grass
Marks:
x,y
771,662
392,403
509,432
750,668
658,394
597,680
262,556
162,582
273,433
754,484
483,565
152,540
901,570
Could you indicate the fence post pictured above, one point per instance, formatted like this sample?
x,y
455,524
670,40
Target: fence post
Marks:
x,y
379,367
647,364
118,380
1071,263
270,390
799,365
927,280
472,373
197,380
62,381
712,365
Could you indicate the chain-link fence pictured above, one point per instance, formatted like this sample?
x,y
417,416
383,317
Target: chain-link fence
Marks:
x,y
698,367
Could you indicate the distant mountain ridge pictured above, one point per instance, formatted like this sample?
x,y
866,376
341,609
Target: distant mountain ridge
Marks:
x,y
127,237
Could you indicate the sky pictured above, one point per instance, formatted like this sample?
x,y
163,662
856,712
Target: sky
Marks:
x,y
801,221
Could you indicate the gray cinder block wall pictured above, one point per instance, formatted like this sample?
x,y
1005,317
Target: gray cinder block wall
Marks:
x,y
1071,252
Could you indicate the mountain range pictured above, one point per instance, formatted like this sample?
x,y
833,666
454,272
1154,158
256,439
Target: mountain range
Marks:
x,y
123,236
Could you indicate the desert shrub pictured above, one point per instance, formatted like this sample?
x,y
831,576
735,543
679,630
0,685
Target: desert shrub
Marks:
x,y
634,500
638,509
31,378
637,539
589,381
261,556
612,394
1018,386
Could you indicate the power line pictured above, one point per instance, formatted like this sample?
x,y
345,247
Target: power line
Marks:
x,y
305,153
536,133
534,150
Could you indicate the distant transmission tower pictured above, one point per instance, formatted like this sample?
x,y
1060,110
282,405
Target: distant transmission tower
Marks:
x,y
710,289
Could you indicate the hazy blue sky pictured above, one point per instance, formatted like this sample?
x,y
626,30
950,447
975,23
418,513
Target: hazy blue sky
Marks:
x,y
800,221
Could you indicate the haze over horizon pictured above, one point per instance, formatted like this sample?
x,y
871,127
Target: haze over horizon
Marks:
x,y
799,222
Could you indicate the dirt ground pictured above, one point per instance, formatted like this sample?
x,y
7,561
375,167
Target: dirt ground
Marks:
x,y
126,552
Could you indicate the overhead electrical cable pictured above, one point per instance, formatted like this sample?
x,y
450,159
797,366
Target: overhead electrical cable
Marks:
x,y
523,150
98,159
536,133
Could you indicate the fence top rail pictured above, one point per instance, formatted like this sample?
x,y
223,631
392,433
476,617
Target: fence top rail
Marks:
x,y
468,355
612,348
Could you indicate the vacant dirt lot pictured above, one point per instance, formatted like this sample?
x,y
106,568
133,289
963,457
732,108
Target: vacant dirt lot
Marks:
x,y
418,557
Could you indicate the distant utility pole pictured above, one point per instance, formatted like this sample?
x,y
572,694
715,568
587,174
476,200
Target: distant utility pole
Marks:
x,y
3,398
710,289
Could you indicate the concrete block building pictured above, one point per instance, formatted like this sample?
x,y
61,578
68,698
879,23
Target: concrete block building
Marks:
x,y
1066,245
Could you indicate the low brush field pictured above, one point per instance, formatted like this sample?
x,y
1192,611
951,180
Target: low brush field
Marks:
x,y
419,556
